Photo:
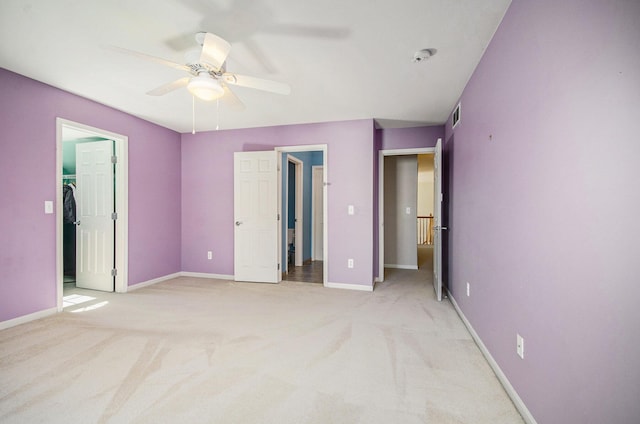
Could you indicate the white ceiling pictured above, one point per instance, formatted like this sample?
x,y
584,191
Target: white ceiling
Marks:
x,y
344,59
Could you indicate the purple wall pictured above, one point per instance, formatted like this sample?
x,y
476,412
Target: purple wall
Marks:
x,y
410,138
27,166
207,193
544,184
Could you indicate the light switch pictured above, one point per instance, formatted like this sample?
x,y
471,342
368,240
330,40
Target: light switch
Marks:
x,y
408,211
350,210
48,206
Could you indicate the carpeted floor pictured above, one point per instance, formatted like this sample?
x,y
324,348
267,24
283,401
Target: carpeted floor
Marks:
x,y
210,351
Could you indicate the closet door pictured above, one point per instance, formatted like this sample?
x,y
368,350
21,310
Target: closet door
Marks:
x,y
94,208
256,217
437,218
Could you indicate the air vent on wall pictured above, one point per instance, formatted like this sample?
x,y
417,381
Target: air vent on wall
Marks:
x,y
455,118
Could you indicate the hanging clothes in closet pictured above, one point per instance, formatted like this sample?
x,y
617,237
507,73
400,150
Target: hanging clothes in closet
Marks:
x,y
69,229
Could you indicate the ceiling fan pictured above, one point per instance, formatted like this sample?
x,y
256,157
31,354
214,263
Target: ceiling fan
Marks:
x,y
207,77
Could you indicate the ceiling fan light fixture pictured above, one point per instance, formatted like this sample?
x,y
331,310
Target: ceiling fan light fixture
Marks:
x,y
205,88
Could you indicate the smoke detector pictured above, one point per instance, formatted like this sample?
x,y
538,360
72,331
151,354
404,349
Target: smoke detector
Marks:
x,y
424,54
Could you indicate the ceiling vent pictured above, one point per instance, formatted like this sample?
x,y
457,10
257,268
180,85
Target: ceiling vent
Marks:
x,y
455,117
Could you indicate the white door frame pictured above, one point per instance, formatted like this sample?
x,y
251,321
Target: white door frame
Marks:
x,y
298,225
381,156
314,211
307,148
121,143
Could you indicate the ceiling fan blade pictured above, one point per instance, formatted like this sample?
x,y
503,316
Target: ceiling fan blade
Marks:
x,y
214,50
257,83
151,58
169,87
230,99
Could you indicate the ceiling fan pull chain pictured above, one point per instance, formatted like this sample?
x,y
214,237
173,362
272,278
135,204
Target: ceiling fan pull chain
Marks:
x,y
217,114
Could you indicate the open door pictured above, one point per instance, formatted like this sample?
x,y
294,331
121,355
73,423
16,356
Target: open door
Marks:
x,y
256,217
95,238
437,220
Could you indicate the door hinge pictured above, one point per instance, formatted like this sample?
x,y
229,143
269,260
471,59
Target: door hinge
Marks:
x,y
278,217
114,159
114,272
278,267
114,215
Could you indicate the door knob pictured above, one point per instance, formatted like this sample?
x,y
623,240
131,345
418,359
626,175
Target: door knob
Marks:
x,y
76,222
238,223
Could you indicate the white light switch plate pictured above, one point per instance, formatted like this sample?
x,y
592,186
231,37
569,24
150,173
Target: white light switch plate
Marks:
x,y
350,210
520,346
48,206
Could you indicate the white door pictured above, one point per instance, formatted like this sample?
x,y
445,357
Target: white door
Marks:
x,y
318,214
256,217
94,208
437,220
299,217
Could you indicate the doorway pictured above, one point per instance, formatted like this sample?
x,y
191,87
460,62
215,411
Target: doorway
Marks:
x,y
402,208
112,259
307,261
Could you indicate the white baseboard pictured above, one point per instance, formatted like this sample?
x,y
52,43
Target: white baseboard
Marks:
x,y
180,274
349,286
153,281
207,275
519,404
28,318
396,266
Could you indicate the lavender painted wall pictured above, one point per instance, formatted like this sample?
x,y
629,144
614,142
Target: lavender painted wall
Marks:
x,y
410,138
544,204
207,193
27,166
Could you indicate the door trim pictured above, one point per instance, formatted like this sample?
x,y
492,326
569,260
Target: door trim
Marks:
x,y
299,224
308,148
121,143
381,156
314,216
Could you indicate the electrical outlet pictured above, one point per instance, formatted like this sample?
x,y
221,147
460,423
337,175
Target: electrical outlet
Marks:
x,y
468,289
209,255
520,346
350,263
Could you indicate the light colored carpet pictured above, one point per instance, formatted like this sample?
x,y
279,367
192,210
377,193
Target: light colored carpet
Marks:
x,y
210,351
